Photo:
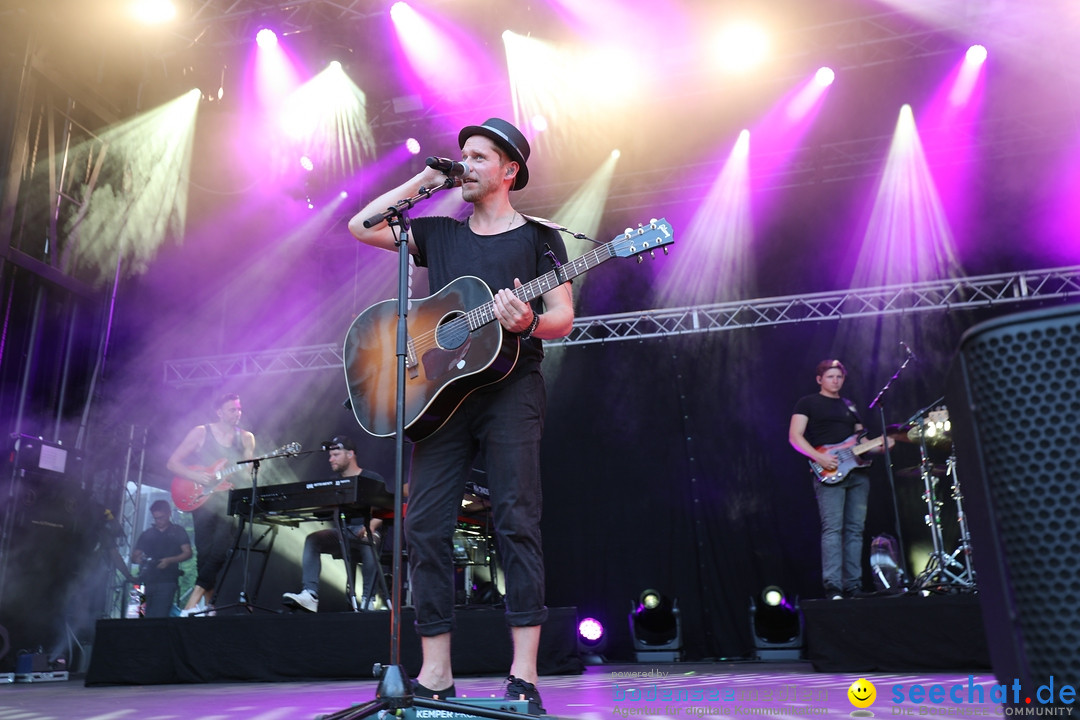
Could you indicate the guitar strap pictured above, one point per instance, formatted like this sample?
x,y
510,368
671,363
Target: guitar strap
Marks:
x,y
556,226
560,228
853,410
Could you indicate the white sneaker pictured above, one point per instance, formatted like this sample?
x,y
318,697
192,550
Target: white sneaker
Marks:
x,y
201,609
376,603
303,599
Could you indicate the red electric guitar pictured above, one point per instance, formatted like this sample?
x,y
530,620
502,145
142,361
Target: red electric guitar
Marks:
x,y
848,454
189,495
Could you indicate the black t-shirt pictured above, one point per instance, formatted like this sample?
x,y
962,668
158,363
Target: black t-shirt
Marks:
x,y
449,249
831,420
157,544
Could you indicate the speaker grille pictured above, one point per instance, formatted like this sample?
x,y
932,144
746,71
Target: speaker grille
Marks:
x,y
1024,385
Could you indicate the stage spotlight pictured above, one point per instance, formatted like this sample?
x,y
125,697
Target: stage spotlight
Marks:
x,y
153,12
656,628
976,55
777,626
400,12
266,38
824,76
741,149
413,146
306,163
741,47
592,641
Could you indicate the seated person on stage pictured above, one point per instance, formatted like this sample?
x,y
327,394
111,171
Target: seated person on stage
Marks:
x,y
159,551
343,462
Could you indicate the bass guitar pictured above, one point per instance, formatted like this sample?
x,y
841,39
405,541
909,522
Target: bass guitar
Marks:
x,y
189,495
454,346
848,453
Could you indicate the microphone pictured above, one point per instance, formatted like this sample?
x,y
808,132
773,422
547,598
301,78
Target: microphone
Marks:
x,y
908,351
448,167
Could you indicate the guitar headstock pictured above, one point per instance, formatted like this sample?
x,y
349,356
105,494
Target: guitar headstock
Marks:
x,y
647,238
290,449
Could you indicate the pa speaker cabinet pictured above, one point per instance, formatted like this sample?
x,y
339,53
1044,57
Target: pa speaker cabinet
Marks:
x,y
1014,405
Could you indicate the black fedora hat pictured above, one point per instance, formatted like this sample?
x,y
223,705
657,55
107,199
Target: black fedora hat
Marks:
x,y
507,137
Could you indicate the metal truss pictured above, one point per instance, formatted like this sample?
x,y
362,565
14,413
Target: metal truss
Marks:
x,y
851,42
975,292
221,23
196,371
953,294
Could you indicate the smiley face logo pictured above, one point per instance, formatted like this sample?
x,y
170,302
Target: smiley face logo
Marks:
x,y
862,693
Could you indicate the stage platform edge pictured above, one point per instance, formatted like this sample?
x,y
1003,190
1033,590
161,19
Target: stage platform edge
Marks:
x,y
272,647
907,633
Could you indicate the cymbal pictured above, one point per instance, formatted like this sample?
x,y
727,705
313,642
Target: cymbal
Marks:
x,y
915,471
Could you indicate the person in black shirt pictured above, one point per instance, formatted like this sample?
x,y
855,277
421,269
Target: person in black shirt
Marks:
x,y
159,551
503,421
821,419
343,461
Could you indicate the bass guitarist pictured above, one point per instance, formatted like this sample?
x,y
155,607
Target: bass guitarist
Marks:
x,y
503,420
202,449
824,419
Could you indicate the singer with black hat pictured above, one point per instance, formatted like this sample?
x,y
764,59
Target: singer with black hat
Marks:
x,y
342,457
503,421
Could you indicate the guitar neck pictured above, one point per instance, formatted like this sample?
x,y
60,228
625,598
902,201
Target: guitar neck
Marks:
x,y
867,446
549,281
226,471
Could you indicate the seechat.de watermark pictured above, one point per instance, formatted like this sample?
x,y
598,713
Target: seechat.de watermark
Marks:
x,y
1052,698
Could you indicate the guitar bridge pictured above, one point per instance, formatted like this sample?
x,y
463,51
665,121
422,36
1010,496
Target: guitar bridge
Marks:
x,y
411,365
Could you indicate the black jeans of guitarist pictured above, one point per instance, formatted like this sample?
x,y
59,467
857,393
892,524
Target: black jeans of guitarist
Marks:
x,y
213,539
504,423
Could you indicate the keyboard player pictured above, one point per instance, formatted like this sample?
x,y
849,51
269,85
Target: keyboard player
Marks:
x,y
342,457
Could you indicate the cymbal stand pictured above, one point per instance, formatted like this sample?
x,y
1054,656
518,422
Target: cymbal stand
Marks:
x,y
967,576
940,573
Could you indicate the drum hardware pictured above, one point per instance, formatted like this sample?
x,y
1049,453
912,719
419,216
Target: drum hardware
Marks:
x,y
931,429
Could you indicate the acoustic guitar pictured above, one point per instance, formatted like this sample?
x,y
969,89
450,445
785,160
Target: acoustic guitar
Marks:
x,y
454,345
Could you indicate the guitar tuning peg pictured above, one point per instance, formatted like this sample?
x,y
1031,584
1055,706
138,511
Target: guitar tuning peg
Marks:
x,y
652,222
665,250
640,259
628,232
652,254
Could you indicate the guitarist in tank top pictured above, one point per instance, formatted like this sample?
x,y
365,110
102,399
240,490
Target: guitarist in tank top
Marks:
x,y
202,449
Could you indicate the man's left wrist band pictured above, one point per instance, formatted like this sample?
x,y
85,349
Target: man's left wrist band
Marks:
x,y
532,327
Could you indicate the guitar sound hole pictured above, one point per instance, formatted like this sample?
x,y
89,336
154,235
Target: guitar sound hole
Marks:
x,y
451,335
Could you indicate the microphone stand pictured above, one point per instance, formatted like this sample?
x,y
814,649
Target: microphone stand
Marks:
x,y
242,602
395,689
877,402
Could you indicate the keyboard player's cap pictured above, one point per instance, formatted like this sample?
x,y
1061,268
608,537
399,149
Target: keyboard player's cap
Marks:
x,y
339,442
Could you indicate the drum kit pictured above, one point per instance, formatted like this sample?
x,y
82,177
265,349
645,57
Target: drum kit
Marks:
x,y
931,430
